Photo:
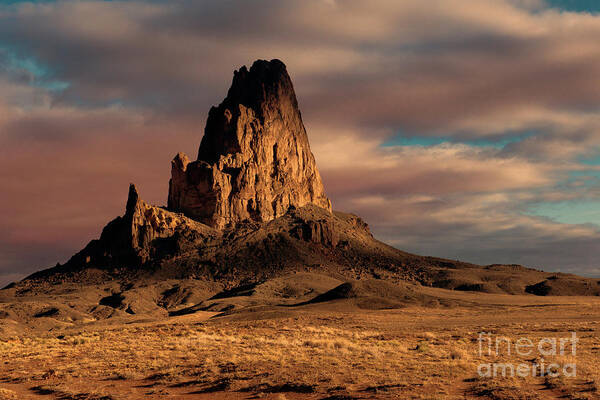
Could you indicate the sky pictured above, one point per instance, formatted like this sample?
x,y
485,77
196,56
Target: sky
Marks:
x,y
461,129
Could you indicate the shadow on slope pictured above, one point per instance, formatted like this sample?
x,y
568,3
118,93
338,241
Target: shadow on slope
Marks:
x,y
377,294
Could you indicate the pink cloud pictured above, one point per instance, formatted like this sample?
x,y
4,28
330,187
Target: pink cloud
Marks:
x,y
142,76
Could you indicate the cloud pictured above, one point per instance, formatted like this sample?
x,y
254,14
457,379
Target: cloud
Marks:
x,y
438,169
65,172
430,67
458,201
138,77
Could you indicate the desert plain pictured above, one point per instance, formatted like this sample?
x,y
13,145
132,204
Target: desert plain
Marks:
x,y
267,343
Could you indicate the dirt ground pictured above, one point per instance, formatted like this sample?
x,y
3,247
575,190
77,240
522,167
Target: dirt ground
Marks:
x,y
331,350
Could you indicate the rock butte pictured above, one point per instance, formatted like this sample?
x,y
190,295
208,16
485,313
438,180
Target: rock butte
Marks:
x,y
252,207
254,161
254,165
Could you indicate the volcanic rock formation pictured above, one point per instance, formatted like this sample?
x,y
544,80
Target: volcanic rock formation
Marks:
x,y
252,208
254,160
133,239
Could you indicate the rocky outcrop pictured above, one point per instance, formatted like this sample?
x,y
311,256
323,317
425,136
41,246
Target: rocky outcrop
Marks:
x,y
143,223
254,161
254,164
317,231
131,238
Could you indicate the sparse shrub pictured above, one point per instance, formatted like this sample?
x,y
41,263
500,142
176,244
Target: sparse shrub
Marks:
x,y
429,335
458,353
7,394
422,347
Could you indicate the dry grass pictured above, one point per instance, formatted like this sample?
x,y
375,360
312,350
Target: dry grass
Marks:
x,y
370,355
8,394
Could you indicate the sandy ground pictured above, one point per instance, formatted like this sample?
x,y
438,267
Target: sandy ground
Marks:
x,y
330,350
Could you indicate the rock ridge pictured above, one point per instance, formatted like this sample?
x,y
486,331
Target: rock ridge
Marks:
x,y
129,239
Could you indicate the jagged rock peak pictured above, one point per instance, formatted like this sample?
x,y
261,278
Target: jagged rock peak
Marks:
x,y
254,160
266,91
133,200
129,238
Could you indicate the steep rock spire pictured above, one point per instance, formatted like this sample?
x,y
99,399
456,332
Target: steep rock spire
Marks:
x,y
254,161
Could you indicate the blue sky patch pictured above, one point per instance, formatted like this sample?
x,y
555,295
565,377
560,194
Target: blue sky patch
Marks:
x,y
591,161
403,139
569,212
591,6
38,74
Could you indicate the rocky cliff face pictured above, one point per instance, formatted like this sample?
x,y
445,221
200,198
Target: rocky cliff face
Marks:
x,y
254,164
131,239
142,224
254,161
